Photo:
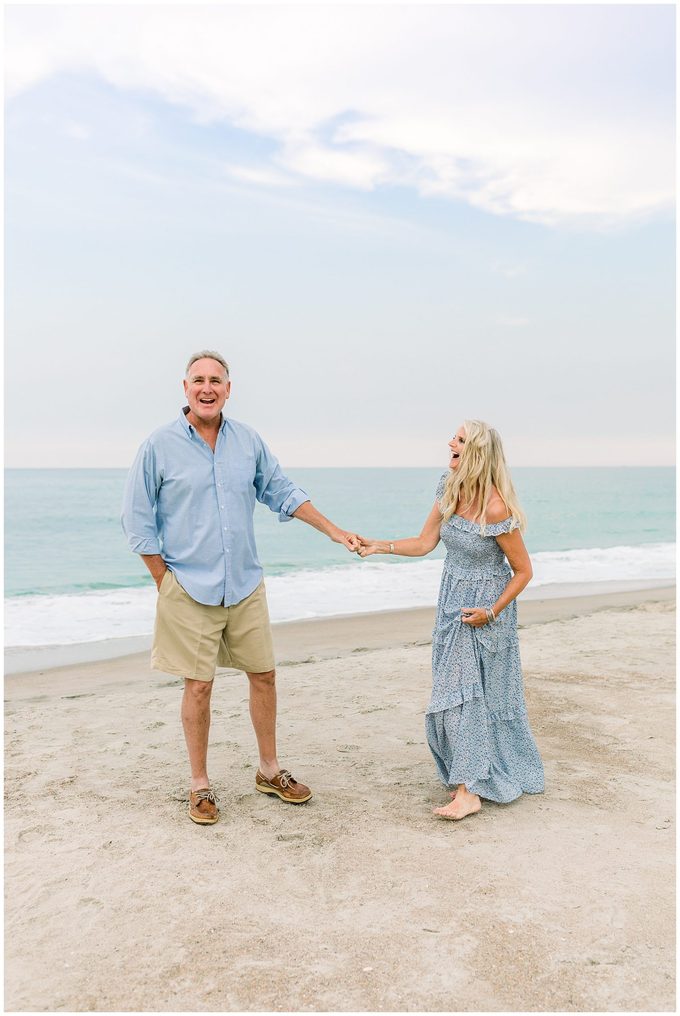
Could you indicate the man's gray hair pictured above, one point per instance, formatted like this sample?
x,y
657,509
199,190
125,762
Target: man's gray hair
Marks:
x,y
210,354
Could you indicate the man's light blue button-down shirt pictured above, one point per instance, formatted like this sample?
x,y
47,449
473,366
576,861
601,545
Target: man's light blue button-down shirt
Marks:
x,y
195,506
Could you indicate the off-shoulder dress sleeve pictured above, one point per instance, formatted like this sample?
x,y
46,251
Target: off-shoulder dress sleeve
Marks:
x,y
501,528
440,486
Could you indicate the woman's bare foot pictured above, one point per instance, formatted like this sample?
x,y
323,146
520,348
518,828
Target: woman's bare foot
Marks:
x,y
463,803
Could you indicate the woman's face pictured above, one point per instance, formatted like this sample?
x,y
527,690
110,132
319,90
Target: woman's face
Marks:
x,y
456,445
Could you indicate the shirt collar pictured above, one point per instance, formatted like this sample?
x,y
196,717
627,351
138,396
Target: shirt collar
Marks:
x,y
192,430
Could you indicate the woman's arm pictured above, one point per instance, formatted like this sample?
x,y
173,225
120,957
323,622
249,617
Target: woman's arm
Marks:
x,y
412,546
513,547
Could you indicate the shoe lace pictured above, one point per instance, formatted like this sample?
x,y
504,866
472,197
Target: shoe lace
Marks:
x,y
205,795
286,778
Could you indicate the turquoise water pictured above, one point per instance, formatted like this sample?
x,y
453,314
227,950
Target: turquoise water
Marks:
x,y
62,530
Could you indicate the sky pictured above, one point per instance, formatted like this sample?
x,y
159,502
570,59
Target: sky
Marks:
x,y
387,218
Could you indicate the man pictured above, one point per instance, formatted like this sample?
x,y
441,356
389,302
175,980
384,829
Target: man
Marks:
x,y
188,511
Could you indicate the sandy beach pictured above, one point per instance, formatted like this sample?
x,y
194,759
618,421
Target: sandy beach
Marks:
x,y
360,899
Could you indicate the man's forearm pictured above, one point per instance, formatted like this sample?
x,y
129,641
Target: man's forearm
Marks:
x,y
156,565
309,514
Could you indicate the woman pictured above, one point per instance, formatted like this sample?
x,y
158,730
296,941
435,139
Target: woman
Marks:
x,y
476,722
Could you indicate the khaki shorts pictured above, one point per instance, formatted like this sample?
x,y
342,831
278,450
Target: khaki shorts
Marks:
x,y
191,639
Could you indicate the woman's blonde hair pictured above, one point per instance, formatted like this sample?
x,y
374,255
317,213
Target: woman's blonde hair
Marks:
x,y
482,466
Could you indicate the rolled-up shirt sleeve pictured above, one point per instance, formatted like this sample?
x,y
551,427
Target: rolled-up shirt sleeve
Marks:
x,y
138,517
273,488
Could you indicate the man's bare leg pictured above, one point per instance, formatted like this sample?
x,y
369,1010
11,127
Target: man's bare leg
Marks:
x,y
196,723
263,716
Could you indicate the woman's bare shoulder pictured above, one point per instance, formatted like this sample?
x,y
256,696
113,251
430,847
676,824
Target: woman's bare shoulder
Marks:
x,y
497,510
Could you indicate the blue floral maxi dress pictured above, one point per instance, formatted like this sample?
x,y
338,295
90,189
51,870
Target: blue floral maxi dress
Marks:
x,y
476,723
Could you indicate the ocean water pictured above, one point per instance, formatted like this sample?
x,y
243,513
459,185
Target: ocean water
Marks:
x,y
69,576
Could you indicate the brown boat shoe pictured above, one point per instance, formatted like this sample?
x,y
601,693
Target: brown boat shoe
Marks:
x,y
203,807
284,786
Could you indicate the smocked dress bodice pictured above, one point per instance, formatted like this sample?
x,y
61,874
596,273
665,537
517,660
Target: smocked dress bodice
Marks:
x,y
473,553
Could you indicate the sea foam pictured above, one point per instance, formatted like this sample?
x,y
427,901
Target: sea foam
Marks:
x,y
355,588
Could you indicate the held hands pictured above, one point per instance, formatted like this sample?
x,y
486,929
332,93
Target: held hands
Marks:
x,y
349,540
356,544
366,547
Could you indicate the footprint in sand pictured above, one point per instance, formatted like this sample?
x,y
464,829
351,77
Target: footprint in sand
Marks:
x,y
31,835
91,901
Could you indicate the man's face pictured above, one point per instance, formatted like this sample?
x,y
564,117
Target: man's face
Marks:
x,y
207,389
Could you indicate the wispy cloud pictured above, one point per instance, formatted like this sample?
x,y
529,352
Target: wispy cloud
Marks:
x,y
353,166
556,115
260,175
